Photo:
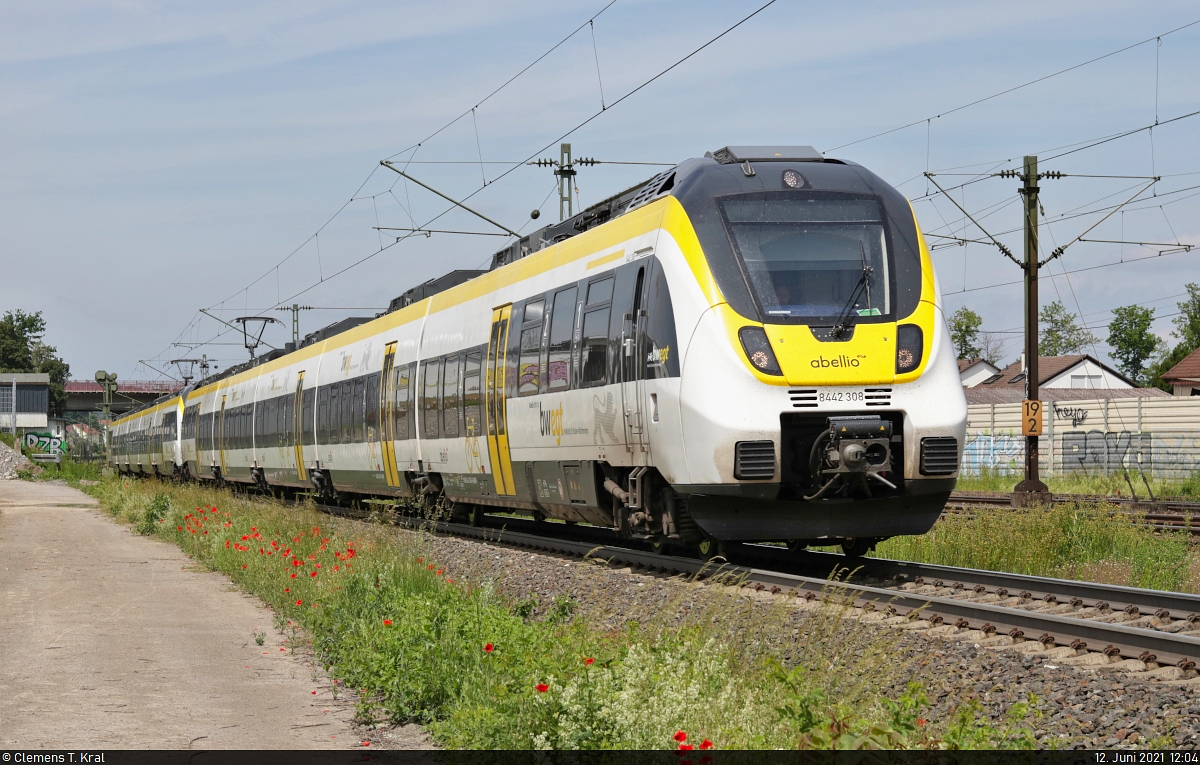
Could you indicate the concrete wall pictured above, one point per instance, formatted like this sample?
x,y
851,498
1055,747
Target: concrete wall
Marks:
x,y
1159,436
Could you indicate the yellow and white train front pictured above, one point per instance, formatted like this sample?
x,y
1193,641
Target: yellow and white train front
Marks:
x,y
819,394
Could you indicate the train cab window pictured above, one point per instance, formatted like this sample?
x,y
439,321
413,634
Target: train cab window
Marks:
x,y
358,413
812,257
372,418
471,411
346,407
562,324
308,437
450,398
402,403
431,373
326,401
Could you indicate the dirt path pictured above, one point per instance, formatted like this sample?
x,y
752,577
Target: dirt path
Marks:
x,y
108,639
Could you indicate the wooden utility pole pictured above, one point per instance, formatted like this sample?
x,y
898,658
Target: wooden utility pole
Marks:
x,y
1031,490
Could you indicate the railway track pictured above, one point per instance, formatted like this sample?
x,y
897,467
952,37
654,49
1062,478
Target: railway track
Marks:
x,y
1109,628
1162,515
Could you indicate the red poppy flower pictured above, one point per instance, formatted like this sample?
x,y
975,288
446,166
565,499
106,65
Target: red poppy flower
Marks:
x,y
179,528
314,573
254,528
243,566
299,602
706,744
293,574
489,648
226,544
449,580
387,622
680,736
431,567
245,537
314,693
588,662
287,589
686,747
420,560
921,722
366,743
335,568
440,571
542,687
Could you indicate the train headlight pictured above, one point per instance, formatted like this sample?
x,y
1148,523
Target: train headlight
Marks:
x,y
910,342
758,350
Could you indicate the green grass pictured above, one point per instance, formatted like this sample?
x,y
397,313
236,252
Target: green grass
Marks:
x,y
1108,485
1074,541
68,470
722,664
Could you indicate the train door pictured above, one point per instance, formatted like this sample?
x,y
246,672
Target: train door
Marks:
x,y
298,427
387,410
495,405
633,382
221,437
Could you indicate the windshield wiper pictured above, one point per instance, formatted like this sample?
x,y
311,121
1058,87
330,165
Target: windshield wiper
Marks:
x,y
845,323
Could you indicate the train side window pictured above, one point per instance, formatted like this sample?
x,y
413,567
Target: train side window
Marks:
x,y
450,398
529,370
346,405
429,396
358,413
326,402
308,437
401,402
600,292
287,417
562,322
471,412
534,310
372,408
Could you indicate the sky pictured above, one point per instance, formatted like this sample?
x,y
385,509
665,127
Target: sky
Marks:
x,y
167,157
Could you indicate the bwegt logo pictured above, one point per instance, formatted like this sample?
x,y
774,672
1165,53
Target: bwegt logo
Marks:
x,y
552,423
841,361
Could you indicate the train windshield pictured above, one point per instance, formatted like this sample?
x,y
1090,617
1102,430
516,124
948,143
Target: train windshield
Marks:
x,y
812,257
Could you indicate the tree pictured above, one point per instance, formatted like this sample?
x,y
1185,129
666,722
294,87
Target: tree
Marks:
x,y
964,333
1187,323
22,350
1168,359
992,347
18,332
1187,329
1131,340
1061,335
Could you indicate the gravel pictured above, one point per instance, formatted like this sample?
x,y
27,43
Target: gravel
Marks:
x,y
11,461
1079,707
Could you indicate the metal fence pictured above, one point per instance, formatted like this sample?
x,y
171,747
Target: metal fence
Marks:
x,y
1160,436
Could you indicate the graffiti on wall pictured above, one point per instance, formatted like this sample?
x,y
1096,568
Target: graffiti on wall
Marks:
x,y
45,443
1166,455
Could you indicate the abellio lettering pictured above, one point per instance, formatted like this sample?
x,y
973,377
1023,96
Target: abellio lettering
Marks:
x,y
840,361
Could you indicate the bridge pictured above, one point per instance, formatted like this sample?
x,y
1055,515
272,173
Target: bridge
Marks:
x,y
87,396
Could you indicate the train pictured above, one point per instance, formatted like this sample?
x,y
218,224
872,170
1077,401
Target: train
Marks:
x,y
748,347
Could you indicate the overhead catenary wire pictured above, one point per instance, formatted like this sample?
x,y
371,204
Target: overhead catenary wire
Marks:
x,y
1015,88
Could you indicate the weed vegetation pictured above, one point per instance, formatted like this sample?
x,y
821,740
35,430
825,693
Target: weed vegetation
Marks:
x,y
1092,542
68,470
718,668
1095,484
